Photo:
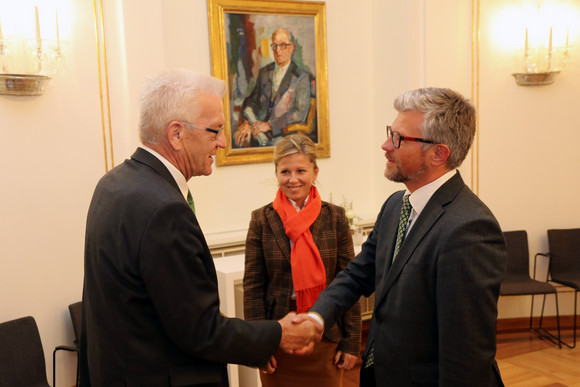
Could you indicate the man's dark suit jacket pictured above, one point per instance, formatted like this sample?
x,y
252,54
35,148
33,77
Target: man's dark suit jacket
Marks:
x,y
150,304
436,305
268,273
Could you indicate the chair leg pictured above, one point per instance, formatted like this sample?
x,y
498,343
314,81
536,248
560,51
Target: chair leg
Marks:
x,y
575,302
54,368
558,320
574,327
543,333
532,314
78,369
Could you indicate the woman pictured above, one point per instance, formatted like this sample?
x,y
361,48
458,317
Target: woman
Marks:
x,y
294,249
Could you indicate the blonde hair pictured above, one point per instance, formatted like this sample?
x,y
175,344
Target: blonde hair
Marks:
x,y
296,143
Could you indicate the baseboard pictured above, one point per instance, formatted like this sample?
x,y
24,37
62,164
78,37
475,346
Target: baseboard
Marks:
x,y
505,325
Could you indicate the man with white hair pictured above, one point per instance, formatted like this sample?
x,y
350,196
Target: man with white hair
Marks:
x,y
150,303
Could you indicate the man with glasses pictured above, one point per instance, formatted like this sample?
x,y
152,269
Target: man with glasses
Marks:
x,y
435,258
280,97
150,301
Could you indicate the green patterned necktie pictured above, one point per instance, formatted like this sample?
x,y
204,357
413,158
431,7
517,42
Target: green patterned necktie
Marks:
x,y
403,222
190,201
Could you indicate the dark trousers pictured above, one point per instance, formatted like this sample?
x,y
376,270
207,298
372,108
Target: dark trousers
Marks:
x,y
367,376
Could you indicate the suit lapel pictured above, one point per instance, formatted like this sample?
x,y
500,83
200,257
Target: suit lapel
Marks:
x,y
386,242
278,232
434,209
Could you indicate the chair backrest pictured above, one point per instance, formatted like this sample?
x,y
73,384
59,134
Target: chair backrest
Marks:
x,y
564,251
76,312
518,261
21,354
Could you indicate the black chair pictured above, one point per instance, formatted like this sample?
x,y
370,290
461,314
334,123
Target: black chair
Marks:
x,y
518,282
21,355
564,256
75,315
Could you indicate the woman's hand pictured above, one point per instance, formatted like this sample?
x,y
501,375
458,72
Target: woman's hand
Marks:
x,y
270,367
344,360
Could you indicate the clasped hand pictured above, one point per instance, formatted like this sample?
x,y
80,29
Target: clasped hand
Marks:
x,y
246,131
299,333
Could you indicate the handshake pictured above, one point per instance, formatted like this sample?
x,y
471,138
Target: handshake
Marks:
x,y
299,333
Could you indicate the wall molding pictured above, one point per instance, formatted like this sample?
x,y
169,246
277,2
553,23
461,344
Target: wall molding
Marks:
x,y
519,324
104,98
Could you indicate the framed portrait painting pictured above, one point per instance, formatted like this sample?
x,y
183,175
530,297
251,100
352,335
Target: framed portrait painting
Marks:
x,y
272,55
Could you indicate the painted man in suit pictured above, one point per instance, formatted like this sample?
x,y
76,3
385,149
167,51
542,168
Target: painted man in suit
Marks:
x,y
281,97
435,308
150,305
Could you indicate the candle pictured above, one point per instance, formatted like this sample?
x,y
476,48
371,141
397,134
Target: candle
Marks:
x,y
550,43
526,46
565,52
38,40
57,35
1,36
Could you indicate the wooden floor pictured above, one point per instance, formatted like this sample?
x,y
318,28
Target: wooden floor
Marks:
x,y
526,360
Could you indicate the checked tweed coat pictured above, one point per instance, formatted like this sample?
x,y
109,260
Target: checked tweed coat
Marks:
x,y
268,274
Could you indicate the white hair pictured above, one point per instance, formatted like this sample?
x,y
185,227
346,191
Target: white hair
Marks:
x,y
170,96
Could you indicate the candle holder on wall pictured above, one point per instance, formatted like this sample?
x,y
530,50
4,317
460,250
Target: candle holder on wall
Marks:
x,y
26,65
540,65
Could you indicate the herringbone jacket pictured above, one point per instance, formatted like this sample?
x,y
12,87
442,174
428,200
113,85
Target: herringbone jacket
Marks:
x,y
268,274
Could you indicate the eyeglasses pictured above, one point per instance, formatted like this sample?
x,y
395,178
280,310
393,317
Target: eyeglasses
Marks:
x,y
282,46
216,132
397,138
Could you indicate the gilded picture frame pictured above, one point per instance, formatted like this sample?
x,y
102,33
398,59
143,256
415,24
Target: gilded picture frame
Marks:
x,y
251,44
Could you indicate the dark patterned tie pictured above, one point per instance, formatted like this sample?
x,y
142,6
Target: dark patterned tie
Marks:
x,y
190,201
403,222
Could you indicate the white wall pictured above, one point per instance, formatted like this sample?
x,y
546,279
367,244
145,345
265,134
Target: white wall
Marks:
x,y
52,152
528,143
53,145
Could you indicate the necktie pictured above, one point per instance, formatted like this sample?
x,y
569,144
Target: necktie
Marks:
x,y
190,201
403,222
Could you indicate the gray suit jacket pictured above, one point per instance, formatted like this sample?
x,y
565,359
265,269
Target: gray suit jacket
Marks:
x,y
436,305
289,105
150,304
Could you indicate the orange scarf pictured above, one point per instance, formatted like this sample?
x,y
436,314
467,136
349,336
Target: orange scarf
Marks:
x,y
308,273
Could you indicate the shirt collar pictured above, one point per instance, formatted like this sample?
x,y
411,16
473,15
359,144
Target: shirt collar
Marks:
x,y
421,196
283,68
296,206
176,173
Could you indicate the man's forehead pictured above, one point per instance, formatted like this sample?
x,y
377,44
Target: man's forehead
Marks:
x,y
281,35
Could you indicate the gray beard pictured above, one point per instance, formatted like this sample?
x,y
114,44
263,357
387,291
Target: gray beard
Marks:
x,y
398,177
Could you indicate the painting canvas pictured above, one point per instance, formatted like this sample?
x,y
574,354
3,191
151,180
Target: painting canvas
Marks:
x,y
272,54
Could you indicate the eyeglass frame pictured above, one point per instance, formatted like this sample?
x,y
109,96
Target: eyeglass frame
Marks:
x,y
216,132
400,137
282,45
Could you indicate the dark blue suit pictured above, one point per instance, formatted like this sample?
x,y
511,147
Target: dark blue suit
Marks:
x,y
436,305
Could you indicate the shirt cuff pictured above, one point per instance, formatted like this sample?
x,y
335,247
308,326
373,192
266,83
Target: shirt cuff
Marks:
x,y
318,318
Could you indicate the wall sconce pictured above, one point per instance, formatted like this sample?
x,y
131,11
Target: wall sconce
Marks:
x,y
540,65
27,64
545,50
